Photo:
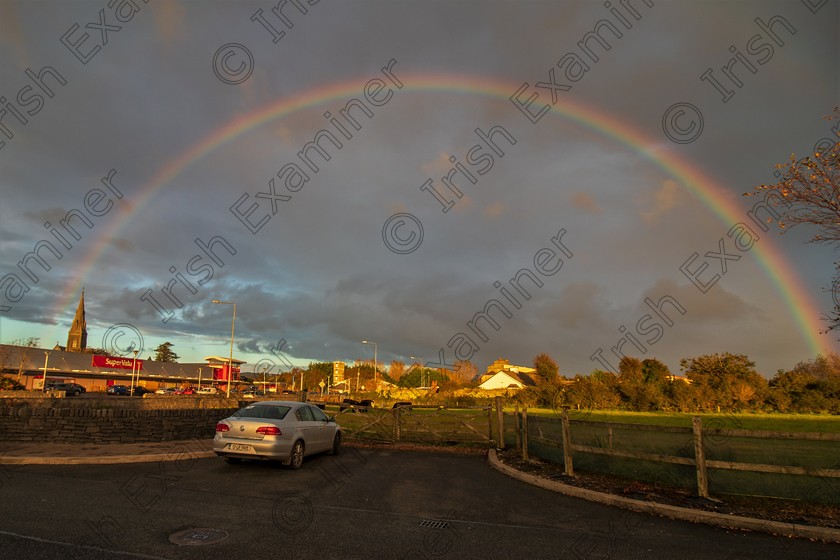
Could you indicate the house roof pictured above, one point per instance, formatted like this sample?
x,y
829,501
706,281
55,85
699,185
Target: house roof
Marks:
x,y
523,378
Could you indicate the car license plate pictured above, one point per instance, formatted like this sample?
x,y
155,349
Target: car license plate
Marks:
x,y
239,447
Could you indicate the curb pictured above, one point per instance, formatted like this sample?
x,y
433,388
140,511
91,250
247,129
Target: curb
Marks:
x,y
173,455
107,459
674,512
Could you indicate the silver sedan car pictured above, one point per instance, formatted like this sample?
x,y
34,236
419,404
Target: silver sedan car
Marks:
x,y
286,431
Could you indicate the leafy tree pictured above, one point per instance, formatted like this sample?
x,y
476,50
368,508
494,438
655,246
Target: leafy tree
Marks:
x,y
812,386
164,353
808,192
360,374
681,397
630,370
824,366
316,373
641,384
29,342
396,370
293,378
422,376
9,384
597,390
654,371
98,351
630,382
465,372
725,380
547,370
777,397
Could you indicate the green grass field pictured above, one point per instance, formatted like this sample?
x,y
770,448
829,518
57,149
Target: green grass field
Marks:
x,y
770,422
423,425
473,427
722,447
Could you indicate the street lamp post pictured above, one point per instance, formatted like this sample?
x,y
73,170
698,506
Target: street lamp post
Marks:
x,y
374,362
133,366
230,359
421,368
265,379
46,361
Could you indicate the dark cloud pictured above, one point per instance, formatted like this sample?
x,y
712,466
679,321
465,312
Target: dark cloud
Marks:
x,y
187,148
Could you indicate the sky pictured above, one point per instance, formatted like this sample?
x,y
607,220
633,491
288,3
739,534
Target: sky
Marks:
x,y
450,180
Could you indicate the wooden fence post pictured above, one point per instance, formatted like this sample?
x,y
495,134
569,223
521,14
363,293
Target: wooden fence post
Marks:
x,y
524,434
518,427
567,446
500,418
609,437
397,412
490,425
700,457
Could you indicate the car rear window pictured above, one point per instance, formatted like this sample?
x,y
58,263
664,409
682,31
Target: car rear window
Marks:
x,y
274,412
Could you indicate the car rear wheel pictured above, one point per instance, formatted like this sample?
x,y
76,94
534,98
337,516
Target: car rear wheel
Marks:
x,y
233,460
336,444
296,458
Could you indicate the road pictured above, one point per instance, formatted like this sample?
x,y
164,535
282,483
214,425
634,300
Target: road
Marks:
x,y
366,503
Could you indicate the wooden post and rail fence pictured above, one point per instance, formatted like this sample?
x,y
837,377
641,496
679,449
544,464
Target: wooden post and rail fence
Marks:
x,y
488,426
698,461
421,424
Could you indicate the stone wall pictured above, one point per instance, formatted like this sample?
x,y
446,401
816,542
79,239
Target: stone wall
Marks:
x,y
111,419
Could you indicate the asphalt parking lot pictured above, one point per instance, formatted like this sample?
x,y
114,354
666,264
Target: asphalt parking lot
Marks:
x,y
366,503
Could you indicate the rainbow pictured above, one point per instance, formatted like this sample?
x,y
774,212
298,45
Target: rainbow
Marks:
x,y
796,299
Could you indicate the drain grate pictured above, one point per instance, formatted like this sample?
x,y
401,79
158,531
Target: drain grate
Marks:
x,y
434,524
199,536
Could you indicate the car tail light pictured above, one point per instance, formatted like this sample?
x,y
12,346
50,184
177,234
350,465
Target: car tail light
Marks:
x,y
269,431
222,427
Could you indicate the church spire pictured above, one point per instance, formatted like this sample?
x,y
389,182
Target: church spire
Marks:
x,y
77,337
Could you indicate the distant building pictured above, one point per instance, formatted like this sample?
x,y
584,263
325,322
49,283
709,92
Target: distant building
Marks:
x,y
94,372
506,380
502,375
77,337
338,372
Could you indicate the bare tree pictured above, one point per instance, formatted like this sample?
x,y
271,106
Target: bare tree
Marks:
x,y
808,192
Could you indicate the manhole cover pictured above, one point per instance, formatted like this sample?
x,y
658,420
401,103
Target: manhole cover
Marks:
x,y
434,524
193,537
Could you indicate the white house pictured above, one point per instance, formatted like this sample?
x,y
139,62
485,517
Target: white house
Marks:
x,y
506,380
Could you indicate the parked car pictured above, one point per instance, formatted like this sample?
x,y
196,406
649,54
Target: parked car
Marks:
x,y
348,403
284,431
70,389
118,390
187,391
140,391
206,391
165,391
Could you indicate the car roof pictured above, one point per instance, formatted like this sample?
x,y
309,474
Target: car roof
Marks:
x,y
275,403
